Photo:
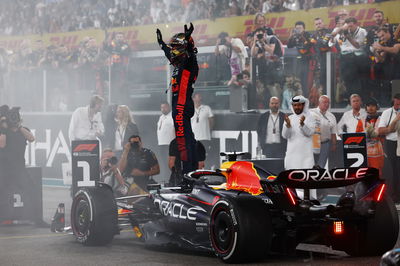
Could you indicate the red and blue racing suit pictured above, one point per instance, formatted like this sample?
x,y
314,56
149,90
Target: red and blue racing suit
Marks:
x,y
183,77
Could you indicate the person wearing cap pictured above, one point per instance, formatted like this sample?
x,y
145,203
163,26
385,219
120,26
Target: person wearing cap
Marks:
x,y
298,131
375,152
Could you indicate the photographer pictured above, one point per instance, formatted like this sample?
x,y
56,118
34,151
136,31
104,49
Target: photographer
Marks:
x,y
16,178
258,53
138,164
110,174
234,49
303,42
351,39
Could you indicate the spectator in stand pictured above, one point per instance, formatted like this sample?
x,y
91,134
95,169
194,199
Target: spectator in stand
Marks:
x,y
251,7
259,22
269,128
322,36
202,123
326,125
165,134
243,81
387,123
303,42
291,88
86,121
89,64
351,39
387,52
258,53
234,49
118,50
352,121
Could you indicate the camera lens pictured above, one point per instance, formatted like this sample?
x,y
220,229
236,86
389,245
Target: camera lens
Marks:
x,y
260,36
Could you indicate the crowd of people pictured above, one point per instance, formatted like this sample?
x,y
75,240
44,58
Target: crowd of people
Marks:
x,y
365,60
260,57
23,17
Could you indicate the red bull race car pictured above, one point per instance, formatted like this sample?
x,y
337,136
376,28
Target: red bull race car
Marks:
x,y
244,212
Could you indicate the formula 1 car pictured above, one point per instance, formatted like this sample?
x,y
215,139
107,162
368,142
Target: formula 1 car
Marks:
x,y
244,212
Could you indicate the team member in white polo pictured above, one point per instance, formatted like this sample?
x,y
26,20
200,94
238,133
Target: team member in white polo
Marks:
x,y
165,134
202,123
393,161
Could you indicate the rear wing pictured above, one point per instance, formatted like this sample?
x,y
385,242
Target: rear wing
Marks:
x,y
323,178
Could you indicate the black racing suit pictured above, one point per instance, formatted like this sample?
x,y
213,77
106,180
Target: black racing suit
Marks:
x,y
183,77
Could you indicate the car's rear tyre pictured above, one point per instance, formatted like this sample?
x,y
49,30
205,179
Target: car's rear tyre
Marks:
x,y
240,231
379,234
94,215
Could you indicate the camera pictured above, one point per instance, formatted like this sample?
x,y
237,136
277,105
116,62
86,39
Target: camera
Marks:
x,y
296,31
134,146
112,161
260,36
223,41
14,117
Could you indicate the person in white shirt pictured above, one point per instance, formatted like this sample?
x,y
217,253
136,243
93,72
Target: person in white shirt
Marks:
x,y
234,49
203,119
86,123
352,120
351,39
165,134
202,124
326,126
387,127
298,130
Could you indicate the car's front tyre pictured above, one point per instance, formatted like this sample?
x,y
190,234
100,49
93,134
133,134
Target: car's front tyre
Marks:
x,y
94,215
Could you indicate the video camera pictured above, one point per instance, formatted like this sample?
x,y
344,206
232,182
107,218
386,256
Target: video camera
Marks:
x,y
13,117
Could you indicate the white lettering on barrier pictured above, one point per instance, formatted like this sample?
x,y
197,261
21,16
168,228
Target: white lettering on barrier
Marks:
x,y
59,147
224,135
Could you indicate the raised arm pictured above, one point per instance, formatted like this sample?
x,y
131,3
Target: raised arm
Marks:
x,y
163,46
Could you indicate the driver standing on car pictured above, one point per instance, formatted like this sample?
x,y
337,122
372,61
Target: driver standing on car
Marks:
x,y
298,131
138,164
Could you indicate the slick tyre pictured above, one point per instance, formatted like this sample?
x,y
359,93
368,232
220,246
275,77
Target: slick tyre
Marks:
x,y
240,231
379,234
94,216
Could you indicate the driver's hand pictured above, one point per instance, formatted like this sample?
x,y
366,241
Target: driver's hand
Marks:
x,y
159,36
188,31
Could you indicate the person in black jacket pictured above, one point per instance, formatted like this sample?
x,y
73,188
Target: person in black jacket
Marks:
x,y
181,53
269,130
121,128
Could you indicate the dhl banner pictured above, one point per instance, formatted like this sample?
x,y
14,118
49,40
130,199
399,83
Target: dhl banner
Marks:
x,y
206,31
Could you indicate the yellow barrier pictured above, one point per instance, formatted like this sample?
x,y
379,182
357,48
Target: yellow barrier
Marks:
x,y
206,31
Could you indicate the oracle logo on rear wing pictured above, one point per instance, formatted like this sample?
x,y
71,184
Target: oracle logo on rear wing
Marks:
x,y
322,178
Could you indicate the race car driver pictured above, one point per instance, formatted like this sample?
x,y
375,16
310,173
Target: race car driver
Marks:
x,y
181,53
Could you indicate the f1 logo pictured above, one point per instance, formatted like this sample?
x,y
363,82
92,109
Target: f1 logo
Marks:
x,y
85,147
356,140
